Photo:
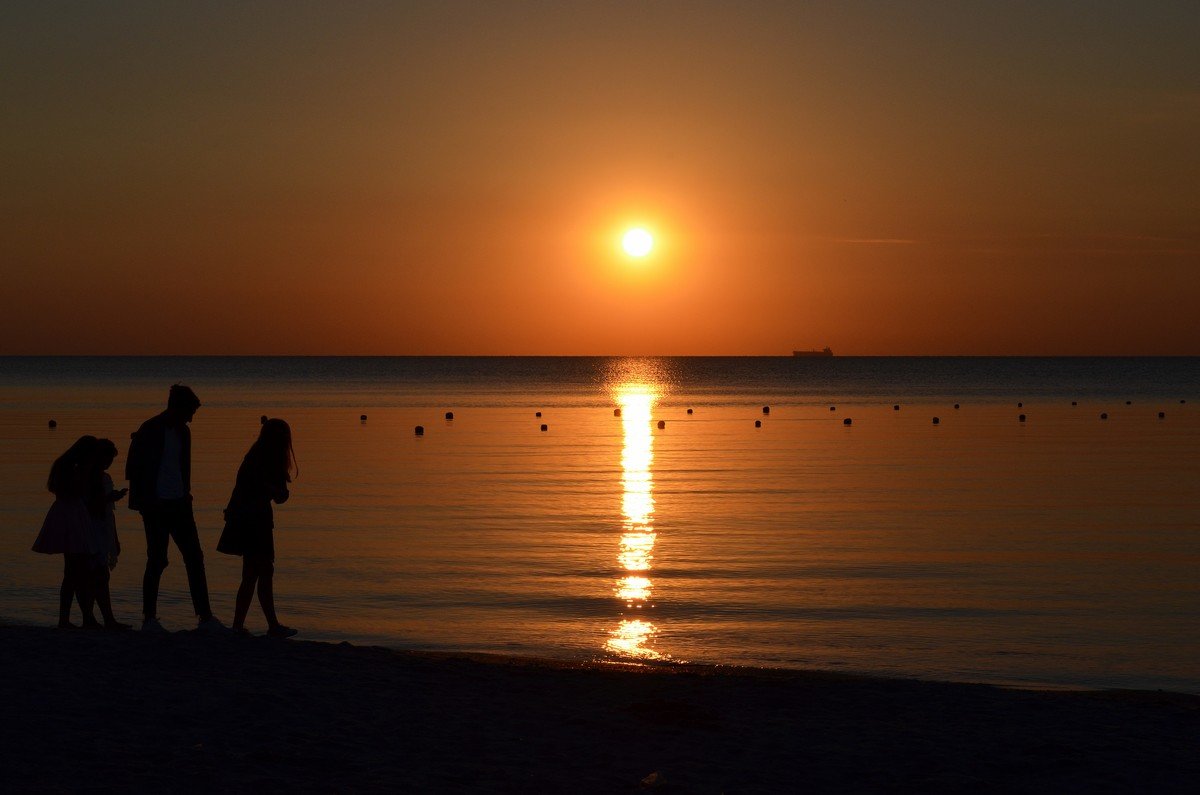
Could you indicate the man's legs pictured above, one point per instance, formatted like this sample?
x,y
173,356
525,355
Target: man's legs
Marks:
x,y
183,530
157,525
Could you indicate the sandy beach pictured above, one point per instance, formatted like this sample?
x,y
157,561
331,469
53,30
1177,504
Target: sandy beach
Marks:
x,y
93,711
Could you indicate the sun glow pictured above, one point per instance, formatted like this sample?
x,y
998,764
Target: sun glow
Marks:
x,y
637,242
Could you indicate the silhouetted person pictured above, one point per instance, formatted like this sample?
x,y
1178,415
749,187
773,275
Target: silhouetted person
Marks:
x,y
67,529
159,470
104,529
262,478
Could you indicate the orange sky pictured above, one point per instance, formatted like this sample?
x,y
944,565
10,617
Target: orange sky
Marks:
x,y
420,178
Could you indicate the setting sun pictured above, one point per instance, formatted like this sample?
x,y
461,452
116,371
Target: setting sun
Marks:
x,y
637,242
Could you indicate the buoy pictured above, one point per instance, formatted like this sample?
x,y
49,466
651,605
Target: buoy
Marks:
x,y
1103,416
1128,402
661,424
1183,401
758,423
362,417
833,408
896,407
537,414
545,427
1020,405
53,423
846,421
616,412
1073,403
1021,418
766,409
936,420
419,430
262,420
955,405
1162,414
449,415
689,411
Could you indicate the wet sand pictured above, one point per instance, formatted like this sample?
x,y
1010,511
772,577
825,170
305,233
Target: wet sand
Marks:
x,y
92,711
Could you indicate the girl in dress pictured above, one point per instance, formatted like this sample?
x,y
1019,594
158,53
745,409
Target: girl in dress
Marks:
x,y
263,478
67,530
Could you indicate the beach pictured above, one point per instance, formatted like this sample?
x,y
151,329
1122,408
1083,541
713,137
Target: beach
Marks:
x,y
96,711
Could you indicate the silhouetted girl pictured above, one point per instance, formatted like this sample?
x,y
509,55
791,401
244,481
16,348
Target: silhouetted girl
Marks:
x,y
104,528
67,530
249,520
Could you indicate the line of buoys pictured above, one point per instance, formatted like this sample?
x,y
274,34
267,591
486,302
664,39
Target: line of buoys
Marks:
x,y
362,417
52,424
420,429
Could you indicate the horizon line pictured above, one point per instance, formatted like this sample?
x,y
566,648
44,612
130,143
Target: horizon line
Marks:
x,y
595,356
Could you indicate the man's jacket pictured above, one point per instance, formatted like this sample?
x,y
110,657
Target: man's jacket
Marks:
x,y
145,459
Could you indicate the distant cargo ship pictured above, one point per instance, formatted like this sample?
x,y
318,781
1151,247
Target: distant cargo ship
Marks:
x,y
823,352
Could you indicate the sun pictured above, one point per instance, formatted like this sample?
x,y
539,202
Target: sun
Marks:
x,y
637,242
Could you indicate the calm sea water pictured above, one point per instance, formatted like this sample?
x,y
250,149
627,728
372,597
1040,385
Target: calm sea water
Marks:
x,y
1061,550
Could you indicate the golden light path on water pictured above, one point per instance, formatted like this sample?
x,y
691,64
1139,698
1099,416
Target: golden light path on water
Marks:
x,y
634,636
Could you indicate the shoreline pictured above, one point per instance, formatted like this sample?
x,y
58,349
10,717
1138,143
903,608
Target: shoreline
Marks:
x,y
191,712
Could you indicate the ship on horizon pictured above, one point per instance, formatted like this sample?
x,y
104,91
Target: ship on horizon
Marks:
x,y
823,352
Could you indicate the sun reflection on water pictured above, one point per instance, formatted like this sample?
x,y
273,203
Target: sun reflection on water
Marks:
x,y
635,637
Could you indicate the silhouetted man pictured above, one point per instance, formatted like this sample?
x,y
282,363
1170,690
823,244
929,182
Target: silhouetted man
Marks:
x,y
159,470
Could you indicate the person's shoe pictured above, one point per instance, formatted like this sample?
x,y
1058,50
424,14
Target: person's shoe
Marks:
x,y
92,624
117,626
241,632
212,626
280,631
152,626
68,625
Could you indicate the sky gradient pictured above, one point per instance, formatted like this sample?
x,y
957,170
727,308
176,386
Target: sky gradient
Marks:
x,y
390,178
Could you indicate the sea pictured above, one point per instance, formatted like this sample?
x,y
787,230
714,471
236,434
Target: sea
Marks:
x,y
1030,522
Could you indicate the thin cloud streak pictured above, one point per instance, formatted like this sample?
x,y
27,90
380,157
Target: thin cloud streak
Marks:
x,y
874,241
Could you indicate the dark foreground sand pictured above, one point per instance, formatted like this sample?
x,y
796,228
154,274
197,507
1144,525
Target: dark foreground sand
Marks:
x,y
89,711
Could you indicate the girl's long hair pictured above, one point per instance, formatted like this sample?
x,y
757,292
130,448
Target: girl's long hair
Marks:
x,y
69,472
273,449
